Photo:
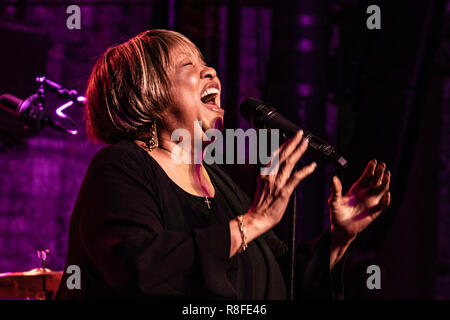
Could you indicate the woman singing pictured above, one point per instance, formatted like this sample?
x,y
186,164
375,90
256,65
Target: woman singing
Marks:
x,y
147,226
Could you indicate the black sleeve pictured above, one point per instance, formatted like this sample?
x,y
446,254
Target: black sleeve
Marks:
x,y
122,231
313,278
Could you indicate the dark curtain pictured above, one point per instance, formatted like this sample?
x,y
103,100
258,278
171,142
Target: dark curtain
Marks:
x,y
389,108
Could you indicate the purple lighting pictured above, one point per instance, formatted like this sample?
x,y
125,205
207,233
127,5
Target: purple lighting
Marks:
x,y
60,113
305,45
305,20
304,89
81,99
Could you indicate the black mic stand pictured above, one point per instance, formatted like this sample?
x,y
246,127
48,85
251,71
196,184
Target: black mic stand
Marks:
x,y
60,92
292,243
293,239
35,116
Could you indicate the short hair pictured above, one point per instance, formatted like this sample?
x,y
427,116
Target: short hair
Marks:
x,y
128,88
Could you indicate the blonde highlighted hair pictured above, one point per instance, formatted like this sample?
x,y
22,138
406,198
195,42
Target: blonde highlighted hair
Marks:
x,y
128,88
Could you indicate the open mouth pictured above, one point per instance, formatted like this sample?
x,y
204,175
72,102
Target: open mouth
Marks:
x,y
209,96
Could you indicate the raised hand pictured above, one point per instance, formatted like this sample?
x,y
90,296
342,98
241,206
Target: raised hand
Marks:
x,y
274,190
367,198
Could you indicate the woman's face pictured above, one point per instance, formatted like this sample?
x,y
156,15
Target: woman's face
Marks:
x,y
195,91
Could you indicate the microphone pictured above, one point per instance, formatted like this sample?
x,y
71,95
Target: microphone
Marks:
x,y
34,116
262,115
10,103
30,115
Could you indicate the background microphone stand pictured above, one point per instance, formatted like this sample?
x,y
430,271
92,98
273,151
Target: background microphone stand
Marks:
x,y
33,113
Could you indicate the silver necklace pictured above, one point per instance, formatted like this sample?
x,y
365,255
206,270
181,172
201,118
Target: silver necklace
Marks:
x,y
207,201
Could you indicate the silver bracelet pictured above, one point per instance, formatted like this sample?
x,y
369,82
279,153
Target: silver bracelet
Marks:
x,y
244,245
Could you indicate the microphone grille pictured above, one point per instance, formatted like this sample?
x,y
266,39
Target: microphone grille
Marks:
x,y
10,101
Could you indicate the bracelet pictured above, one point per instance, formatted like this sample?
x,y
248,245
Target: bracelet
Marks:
x,y
244,245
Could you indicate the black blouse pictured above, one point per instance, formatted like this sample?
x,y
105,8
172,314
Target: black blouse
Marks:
x,y
135,233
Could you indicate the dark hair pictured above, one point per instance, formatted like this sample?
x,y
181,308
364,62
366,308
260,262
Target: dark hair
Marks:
x,y
128,88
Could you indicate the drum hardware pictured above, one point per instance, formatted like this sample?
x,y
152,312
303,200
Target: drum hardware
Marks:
x,y
38,283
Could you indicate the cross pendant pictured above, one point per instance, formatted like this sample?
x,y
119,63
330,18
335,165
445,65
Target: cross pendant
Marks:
x,y
207,202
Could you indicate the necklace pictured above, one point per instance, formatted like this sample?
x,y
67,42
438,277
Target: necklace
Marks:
x,y
207,201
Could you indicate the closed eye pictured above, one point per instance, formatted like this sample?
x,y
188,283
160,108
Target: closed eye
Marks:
x,y
187,64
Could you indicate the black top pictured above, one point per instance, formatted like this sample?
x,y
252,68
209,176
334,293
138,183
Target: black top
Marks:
x,y
135,233
251,279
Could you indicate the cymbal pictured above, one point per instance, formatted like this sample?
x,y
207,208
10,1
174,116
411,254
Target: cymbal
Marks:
x,y
32,284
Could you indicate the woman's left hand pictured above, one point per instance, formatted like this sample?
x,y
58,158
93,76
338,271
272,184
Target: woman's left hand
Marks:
x,y
367,198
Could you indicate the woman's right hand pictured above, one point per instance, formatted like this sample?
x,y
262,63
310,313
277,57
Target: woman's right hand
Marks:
x,y
273,191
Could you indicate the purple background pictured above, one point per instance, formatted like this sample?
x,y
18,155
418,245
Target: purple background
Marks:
x,y
383,93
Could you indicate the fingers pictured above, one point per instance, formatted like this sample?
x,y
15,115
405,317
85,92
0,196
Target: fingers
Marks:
x,y
377,178
382,205
289,164
387,200
290,145
279,156
298,153
380,182
336,189
368,173
374,177
298,176
385,183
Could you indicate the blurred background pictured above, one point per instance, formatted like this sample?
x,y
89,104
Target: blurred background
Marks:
x,y
381,94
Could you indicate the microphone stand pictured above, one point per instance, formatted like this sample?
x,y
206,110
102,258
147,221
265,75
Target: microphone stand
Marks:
x,y
292,243
292,240
33,113
64,93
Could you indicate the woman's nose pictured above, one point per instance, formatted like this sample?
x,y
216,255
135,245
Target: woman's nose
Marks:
x,y
208,72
